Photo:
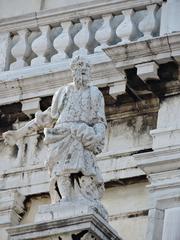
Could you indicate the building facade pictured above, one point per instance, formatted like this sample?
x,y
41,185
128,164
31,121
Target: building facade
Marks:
x,y
134,49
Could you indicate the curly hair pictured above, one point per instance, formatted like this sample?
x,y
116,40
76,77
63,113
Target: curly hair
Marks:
x,y
78,62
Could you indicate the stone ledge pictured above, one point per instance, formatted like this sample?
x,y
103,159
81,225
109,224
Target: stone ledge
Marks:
x,y
162,168
92,223
165,181
159,49
70,209
118,166
33,82
36,180
129,110
165,138
159,161
92,9
18,85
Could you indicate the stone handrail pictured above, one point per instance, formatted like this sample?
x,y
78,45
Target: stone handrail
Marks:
x,y
45,38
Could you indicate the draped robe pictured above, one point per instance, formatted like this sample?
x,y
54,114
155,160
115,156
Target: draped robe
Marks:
x,y
79,131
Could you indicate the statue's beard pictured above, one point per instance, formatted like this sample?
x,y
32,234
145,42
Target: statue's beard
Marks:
x,y
80,80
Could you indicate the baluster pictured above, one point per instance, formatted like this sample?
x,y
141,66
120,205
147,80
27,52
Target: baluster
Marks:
x,y
21,50
5,43
63,42
42,46
83,37
126,30
105,33
149,24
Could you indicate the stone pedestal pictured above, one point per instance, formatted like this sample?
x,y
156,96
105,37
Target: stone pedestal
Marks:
x,y
84,224
69,209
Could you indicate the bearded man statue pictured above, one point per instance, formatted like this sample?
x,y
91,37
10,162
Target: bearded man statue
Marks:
x,y
74,128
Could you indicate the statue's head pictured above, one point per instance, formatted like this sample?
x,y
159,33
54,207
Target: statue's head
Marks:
x,y
80,68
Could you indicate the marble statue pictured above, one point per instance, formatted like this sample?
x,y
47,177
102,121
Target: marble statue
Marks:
x,y
74,128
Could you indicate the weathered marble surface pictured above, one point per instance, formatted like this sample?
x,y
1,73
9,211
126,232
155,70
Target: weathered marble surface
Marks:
x,y
103,26
167,133
170,21
171,224
162,168
74,128
86,226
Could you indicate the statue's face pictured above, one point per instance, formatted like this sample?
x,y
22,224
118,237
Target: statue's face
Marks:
x,y
81,75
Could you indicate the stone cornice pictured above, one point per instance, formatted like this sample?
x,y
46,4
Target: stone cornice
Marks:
x,y
160,49
74,12
159,161
162,168
132,109
168,179
114,166
91,222
31,82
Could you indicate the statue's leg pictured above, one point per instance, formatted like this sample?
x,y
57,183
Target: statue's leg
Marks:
x,y
53,190
64,186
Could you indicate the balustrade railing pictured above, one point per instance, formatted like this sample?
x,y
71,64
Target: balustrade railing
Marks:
x,y
88,35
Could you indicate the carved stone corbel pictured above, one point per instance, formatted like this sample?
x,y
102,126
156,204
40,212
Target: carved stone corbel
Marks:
x,y
148,70
119,87
30,106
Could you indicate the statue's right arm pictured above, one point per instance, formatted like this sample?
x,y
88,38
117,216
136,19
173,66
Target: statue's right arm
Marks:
x,y
41,120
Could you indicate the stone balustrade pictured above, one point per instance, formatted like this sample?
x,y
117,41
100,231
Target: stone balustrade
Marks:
x,y
54,41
